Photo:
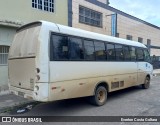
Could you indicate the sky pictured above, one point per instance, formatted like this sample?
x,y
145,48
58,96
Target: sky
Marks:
x,y
147,10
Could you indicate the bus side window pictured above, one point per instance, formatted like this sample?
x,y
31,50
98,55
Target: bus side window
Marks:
x,y
89,50
100,51
111,56
127,54
59,47
119,53
140,54
147,57
76,51
133,53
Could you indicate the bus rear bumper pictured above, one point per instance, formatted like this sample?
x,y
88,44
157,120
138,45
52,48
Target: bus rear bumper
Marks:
x,y
41,95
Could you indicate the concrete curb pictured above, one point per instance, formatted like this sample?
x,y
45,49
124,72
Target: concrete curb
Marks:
x,y
4,92
4,89
16,106
10,102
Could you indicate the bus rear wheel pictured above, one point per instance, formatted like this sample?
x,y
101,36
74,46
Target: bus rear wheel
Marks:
x,y
146,84
100,96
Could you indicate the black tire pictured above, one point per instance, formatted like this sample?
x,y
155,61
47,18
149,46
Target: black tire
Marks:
x,y
100,96
146,84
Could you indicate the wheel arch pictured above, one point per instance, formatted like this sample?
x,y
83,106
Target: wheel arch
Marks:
x,y
101,83
148,75
146,85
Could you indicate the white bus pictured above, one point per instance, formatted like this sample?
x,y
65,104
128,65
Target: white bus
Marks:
x,y
49,62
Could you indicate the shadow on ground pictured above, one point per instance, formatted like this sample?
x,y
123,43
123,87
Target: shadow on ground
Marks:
x,y
69,107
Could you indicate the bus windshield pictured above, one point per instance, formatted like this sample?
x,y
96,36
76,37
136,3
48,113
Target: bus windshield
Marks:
x,y
25,42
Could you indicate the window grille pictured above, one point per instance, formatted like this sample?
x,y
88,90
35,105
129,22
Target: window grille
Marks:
x,y
45,5
90,17
4,55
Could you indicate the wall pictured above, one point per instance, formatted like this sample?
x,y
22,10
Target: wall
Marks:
x,y
126,25
22,11
6,37
3,78
106,28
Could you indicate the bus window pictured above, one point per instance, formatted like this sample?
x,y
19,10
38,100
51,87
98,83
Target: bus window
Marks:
x,y
119,53
59,47
147,56
100,51
111,52
133,53
75,49
127,55
89,50
140,54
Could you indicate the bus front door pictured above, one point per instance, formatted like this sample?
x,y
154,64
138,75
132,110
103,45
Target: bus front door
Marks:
x,y
141,72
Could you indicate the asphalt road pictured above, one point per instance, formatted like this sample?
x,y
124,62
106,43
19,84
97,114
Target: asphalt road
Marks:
x,y
133,101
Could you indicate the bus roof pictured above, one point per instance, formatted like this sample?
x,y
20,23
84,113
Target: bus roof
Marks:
x,y
85,34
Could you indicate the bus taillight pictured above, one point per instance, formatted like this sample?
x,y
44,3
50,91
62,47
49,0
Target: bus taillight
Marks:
x,y
38,70
38,77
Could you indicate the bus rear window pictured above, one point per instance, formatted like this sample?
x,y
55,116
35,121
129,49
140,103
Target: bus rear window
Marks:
x,y
25,41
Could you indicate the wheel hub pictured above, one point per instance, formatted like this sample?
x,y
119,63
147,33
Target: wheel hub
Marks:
x,y
101,96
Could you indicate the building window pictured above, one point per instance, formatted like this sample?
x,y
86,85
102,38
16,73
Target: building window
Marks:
x,y
4,55
148,42
129,37
90,17
140,39
45,5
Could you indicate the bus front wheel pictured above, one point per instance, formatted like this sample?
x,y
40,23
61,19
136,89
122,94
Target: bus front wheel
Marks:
x,y
100,96
146,83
